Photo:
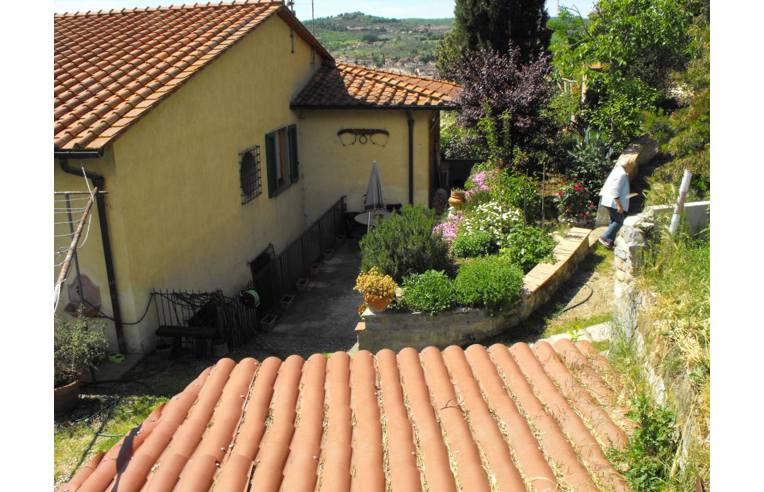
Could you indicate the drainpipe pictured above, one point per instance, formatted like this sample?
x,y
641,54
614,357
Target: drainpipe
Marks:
x,y
100,182
410,120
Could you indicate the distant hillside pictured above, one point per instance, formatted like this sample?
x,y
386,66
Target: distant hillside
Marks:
x,y
406,45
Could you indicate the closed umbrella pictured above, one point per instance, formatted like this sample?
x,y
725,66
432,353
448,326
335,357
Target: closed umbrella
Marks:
x,y
374,200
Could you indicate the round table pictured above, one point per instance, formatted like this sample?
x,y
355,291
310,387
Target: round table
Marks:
x,y
363,218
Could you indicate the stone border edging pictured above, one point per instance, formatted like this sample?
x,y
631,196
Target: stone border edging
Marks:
x,y
395,330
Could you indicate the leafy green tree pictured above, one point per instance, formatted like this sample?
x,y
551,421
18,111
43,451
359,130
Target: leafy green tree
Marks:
x,y
627,52
494,24
685,134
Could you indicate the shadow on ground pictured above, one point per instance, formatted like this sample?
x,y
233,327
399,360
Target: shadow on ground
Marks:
x,y
322,318
585,299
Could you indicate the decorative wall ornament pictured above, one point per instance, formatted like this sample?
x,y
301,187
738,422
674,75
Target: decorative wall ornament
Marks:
x,y
351,136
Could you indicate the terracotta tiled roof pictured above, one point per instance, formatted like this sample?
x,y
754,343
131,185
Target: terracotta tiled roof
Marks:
x,y
111,67
520,418
348,85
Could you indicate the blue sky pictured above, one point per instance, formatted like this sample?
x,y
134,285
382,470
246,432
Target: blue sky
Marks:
x,y
385,8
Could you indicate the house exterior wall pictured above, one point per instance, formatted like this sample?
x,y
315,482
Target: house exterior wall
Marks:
x,y
332,170
175,210
90,257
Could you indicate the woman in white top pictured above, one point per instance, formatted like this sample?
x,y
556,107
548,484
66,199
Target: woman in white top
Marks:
x,y
615,197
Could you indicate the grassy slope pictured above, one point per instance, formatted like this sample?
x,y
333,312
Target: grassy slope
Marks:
x,y
104,420
677,273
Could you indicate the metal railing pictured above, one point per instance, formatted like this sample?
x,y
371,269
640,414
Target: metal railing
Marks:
x,y
204,315
279,275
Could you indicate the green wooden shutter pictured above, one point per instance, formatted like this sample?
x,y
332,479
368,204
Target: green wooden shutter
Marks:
x,y
270,159
294,163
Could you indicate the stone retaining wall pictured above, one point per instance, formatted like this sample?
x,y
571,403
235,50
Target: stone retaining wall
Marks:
x,y
636,234
396,330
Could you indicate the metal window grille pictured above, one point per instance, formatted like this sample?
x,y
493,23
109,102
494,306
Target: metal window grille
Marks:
x,y
249,174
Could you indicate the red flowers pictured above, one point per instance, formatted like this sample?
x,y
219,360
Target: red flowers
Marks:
x,y
574,200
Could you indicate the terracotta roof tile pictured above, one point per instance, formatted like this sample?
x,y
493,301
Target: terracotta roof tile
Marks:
x,y
107,58
348,85
506,418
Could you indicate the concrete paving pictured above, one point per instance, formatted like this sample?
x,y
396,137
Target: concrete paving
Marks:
x,y
323,317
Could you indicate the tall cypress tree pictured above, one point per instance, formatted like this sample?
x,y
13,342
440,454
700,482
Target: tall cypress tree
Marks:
x,y
494,24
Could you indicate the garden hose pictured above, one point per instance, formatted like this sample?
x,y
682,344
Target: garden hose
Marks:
x,y
591,293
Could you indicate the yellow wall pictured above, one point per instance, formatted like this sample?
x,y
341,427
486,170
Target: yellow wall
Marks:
x,y
174,205
175,209
332,170
90,253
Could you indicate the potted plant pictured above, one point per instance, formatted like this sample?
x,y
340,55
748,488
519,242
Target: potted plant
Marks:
x,y
457,198
378,289
76,347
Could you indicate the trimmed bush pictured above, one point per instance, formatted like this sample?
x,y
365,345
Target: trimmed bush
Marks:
x,y
404,244
472,244
527,246
492,282
430,292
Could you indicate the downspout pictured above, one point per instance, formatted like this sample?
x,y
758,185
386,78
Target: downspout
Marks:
x,y
410,120
100,182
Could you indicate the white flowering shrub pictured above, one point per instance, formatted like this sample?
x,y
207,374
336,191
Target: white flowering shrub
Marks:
x,y
493,217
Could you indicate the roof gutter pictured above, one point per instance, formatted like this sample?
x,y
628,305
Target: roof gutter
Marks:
x,y
77,154
99,182
410,120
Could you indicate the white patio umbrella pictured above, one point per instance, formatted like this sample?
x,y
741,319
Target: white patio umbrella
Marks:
x,y
374,200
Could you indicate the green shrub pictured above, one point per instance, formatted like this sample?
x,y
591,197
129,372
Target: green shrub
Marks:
x,y
518,191
647,459
76,347
403,244
589,164
527,246
472,244
492,282
430,292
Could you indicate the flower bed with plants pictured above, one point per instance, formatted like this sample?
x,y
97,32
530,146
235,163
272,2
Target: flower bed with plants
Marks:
x,y
468,267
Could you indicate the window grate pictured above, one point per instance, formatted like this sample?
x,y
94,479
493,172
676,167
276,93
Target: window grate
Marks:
x,y
249,174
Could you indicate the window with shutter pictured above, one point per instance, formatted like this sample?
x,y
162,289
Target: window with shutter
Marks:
x,y
281,158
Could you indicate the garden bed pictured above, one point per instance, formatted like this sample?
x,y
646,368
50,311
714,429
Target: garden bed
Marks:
x,y
395,330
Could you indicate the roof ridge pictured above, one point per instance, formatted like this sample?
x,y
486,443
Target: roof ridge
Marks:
x,y
223,3
389,72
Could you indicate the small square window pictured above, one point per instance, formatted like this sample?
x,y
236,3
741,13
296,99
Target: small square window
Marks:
x,y
249,174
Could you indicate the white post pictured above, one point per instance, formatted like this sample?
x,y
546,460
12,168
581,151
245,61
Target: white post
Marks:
x,y
679,207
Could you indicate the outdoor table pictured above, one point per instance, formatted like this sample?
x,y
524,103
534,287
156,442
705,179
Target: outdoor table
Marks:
x,y
363,217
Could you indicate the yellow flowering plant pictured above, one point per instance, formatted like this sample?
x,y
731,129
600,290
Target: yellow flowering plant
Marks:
x,y
375,286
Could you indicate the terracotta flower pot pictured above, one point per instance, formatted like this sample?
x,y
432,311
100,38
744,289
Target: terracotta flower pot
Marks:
x,y
377,305
65,398
457,199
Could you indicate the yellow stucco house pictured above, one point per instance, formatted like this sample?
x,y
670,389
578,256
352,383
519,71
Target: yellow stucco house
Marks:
x,y
215,131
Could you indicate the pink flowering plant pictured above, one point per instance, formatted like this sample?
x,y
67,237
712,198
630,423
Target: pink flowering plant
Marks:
x,y
478,185
449,228
574,202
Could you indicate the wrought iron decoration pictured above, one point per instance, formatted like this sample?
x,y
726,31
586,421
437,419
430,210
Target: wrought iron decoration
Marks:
x,y
363,136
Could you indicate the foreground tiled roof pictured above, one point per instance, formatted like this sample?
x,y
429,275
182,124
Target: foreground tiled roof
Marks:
x,y
348,85
111,67
521,418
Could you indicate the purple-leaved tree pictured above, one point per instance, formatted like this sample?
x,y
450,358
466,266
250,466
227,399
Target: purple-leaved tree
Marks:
x,y
511,95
